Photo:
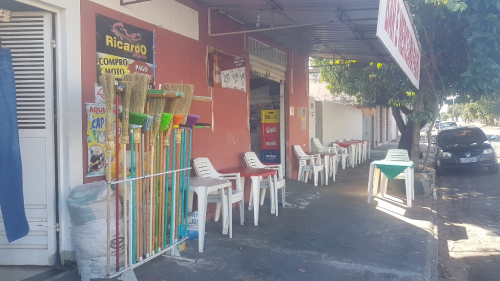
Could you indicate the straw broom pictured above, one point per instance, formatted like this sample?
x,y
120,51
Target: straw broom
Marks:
x,y
138,101
184,106
178,138
171,106
165,124
156,110
107,81
127,94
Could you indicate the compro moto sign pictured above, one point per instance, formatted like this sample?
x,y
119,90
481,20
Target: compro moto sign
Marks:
x,y
395,30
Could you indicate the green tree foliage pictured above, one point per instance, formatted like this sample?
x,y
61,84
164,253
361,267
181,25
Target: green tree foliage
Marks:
x,y
444,116
456,110
460,42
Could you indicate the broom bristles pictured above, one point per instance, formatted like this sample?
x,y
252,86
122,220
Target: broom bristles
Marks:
x,y
138,102
191,119
156,110
127,95
171,106
108,86
185,102
147,123
166,118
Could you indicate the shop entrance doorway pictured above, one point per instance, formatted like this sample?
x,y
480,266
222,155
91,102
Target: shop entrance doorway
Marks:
x,y
266,120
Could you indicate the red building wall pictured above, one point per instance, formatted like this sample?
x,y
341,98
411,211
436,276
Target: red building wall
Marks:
x,y
183,60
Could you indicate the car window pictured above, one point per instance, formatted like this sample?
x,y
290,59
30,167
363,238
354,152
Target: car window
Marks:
x,y
463,136
448,124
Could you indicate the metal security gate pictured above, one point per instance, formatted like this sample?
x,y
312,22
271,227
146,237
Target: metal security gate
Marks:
x,y
28,36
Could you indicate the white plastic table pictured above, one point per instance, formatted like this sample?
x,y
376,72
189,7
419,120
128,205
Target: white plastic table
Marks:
x,y
202,187
255,174
391,169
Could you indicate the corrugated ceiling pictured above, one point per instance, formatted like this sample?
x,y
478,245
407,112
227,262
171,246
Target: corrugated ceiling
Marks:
x,y
347,29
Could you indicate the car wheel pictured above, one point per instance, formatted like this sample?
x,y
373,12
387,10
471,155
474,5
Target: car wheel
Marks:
x,y
493,169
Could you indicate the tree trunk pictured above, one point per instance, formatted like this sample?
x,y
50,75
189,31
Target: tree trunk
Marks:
x,y
404,129
415,148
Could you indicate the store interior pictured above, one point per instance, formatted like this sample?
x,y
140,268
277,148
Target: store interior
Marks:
x,y
265,134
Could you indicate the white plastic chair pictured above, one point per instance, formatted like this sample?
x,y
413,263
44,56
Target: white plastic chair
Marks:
x,y
334,159
204,168
398,155
309,163
253,161
350,154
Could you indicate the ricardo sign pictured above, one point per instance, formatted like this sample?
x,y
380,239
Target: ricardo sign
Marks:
x,y
395,30
122,48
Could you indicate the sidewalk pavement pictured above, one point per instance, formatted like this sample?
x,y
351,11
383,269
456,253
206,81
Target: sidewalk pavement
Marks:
x,y
324,233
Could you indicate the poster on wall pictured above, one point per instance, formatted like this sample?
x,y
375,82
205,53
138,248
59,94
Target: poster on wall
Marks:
x,y
123,48
96,137
226,71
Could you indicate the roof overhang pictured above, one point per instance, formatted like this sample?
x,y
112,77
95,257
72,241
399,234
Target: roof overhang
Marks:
x,y
334,29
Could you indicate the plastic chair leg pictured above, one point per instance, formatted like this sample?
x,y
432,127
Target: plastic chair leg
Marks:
x,y
271,195
283,196
371,177
315,177
250,201
262,195
202,213
225,218
384,183
217,211
301,171
242,211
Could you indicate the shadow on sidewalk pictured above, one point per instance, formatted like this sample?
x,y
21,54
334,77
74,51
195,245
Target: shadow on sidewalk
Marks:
x,y
324,233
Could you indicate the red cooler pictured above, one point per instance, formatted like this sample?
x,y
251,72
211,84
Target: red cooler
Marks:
x,y
270,138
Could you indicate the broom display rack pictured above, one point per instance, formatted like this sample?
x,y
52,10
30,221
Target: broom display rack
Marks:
x,y
154,192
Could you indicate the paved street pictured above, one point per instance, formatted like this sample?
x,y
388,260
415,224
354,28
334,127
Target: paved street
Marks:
x,y
469,223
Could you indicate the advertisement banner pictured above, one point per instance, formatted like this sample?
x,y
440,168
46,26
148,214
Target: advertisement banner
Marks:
x,y
226,71
123,48
96,137
395,31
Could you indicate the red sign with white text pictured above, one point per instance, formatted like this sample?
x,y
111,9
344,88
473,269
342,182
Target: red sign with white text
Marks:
x,y
395,31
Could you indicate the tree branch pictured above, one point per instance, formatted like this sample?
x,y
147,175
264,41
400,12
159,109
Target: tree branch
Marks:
x,y
405,110
399,120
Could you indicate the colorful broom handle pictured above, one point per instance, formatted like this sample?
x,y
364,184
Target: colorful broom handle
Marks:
x,y
188,178
181,215
166,195
117,186
172,203
144,199
157,205
132,172
184,181
125,204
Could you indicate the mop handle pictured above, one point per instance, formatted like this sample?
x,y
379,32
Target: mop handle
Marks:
x,y
188,178
132,172
172,201
166,196
125,204
117,186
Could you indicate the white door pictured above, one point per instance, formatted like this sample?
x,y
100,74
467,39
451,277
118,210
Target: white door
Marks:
x,y
28,35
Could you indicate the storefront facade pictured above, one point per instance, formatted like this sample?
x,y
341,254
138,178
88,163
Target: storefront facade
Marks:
x,y
186,35
182,44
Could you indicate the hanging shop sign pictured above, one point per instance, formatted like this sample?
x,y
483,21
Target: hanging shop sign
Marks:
x,y
96,137
395,30
226,71
123,48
